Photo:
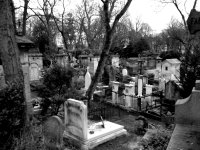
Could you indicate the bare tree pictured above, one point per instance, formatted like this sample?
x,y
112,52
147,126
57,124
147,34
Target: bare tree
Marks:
x,y
109,30
25,16
44,12
190,61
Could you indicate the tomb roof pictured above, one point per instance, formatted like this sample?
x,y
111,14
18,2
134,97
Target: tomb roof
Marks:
x,y
173,61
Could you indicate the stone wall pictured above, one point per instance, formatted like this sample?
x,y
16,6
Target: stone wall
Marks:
x,y
35,66
187,110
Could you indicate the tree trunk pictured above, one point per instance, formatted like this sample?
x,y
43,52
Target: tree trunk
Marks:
x,y
99,71
9,50
8,46
107,45
24,17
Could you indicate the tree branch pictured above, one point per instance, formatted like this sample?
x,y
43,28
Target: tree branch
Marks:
x,y
195,2
183,17
120,14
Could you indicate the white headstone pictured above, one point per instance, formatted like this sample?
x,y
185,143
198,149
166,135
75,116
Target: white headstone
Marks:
x,y
133,79
140,87
82,134
148,92
87,79
76,121
129,91
115,61
124,72
149,89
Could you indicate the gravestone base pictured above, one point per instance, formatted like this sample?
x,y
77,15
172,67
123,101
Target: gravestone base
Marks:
x,y
100,135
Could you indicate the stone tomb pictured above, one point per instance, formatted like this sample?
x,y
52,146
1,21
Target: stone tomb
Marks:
x,y
129,91
115,88
84,135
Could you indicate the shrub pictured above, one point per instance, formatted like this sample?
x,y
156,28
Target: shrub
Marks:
x,y
79,84
57,78
12,113
57,87
159,141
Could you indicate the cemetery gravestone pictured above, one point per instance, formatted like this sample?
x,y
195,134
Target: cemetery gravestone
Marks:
x,y
134,99
145,80
78,130
53,133
162,84
76,123
115,88
129,92
148,93
124,72
87,79
149,90
140,87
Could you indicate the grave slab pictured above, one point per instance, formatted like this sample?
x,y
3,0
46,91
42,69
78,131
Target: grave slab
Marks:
x,y
78,130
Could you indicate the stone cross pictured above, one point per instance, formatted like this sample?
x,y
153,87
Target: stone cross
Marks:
x,y
53,130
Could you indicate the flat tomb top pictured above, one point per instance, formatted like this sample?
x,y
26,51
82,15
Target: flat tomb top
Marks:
x,y
99,132
185,137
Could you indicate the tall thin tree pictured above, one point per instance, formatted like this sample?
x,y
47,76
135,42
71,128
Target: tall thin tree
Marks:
x,y
109,30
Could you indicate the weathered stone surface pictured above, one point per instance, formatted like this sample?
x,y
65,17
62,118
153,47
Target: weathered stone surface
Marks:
x,y
129,92
185,137
115,87
187,110
78,130
186,134
76,122
53,130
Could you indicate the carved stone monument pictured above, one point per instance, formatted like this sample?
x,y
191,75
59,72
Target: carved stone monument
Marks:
x,y
115,87
87,79
129,92
148,93
83,135
140,86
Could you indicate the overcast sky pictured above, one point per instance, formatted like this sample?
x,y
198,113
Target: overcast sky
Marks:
x,y
158,15
154,13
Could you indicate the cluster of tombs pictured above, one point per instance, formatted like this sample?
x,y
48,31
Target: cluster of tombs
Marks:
x,y
138,95
78,129
87,134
